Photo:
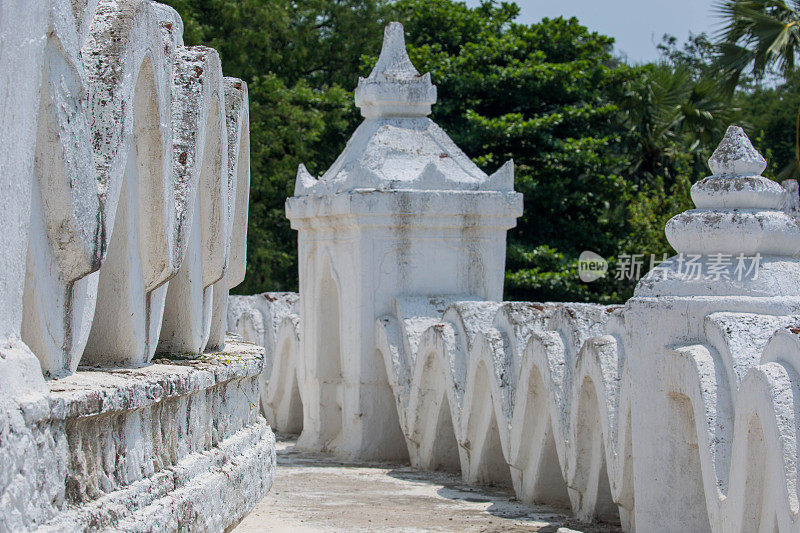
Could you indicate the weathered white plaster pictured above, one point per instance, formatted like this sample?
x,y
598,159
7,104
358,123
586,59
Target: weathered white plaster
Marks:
x,y
270,320
66,238
201,196
197,454
128,57
402,211
23,29
237,121
113,156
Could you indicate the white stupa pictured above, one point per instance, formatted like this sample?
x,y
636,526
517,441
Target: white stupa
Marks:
x,y
403,212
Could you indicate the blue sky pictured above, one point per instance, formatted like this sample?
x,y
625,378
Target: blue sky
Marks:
x,y
636,25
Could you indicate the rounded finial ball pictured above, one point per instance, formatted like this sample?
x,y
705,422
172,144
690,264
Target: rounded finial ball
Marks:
x,y
736,156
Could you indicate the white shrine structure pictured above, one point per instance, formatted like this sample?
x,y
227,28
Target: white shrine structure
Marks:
x,y
677,411
402,211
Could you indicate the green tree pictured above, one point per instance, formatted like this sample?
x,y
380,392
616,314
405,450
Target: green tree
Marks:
x,y
676,115
767,114
761,37
317,41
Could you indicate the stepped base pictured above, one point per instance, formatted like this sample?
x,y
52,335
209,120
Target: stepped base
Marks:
x,y
174,446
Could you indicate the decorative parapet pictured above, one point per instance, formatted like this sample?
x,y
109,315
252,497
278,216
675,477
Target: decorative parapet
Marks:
x,y
529,395
125,172
137,164
674,412
535,396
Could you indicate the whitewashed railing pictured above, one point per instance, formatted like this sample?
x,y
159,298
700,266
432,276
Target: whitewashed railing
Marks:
x,y
677,411
129,155
124,161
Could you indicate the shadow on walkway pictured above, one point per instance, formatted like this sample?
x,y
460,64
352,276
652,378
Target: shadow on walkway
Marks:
x,y
319,492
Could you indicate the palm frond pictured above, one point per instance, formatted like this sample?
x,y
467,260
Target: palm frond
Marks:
x,y
757,35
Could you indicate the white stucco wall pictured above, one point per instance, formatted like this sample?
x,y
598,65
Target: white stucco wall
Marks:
x,y
123,221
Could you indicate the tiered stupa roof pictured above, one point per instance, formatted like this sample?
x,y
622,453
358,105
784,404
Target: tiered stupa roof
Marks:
x,y
398,147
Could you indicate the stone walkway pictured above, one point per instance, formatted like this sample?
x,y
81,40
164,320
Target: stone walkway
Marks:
x,y
315,492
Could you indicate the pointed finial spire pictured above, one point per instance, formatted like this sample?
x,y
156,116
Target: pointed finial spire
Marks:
x,y
736,156
395,87
394,62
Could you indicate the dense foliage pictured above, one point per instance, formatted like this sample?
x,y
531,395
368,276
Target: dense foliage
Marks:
x,y
605,152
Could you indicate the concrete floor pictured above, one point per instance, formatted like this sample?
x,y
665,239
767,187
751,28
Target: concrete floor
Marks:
x,y
315,492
